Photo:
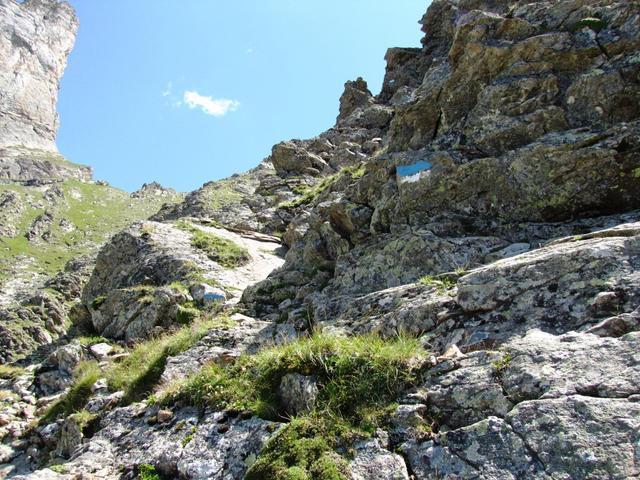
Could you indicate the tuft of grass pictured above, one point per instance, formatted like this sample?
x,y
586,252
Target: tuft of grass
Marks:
x,y
140,372
85,375
503,363
90,340
187,314
594,23
358,377
441,284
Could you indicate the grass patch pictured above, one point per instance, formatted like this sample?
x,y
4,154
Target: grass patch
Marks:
x,y
86,374
441,284
502,364
139,373
148,472
357,376
11,372
187,314
90,340
594,23
221,250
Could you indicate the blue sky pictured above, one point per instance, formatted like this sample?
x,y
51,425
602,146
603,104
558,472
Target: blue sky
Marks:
x,y
187,91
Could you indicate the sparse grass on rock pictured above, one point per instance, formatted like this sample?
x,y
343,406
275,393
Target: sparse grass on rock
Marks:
x,y
85,375
137,374
221,250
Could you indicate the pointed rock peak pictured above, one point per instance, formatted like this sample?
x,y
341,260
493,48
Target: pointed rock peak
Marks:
x,y
356,94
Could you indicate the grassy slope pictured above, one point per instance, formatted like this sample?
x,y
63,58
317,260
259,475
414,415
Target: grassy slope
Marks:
x,y
97,212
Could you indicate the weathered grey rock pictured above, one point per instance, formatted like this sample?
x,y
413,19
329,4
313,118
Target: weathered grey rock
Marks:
x,y
70,437
371,462
101,350
356,95
297,393
35,40
130,292
189,447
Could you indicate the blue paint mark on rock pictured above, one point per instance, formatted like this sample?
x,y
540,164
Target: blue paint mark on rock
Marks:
x,y
213,297
408,170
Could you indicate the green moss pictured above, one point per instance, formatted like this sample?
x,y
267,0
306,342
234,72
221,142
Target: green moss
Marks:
x,y
61,469
304,449
97,302
85,375
636,173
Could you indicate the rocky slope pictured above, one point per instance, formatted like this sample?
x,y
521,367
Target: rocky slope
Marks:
x,y
459,297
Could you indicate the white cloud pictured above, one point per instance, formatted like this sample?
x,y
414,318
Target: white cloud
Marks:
x,y
167,91
211,106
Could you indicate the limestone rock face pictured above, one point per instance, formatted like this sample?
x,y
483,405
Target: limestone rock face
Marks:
x,y
36,37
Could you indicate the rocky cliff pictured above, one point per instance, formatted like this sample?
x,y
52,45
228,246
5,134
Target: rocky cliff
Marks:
x,y
459,296
36,37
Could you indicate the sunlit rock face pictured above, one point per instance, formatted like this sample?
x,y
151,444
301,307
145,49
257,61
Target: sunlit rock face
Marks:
x,y
36,37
